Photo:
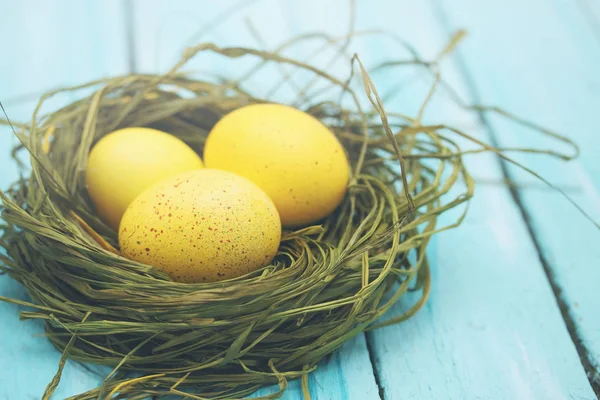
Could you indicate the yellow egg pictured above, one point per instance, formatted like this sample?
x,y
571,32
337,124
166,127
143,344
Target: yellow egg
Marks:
x,y
291,155
202,226
128,161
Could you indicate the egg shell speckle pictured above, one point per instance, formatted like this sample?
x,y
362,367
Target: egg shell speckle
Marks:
x,y
202,226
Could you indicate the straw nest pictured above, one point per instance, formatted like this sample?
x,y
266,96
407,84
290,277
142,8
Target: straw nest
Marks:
x,y
227,339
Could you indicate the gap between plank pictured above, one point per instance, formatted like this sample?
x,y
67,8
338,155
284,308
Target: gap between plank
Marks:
x,y
463,70
584,357
375,368
129,21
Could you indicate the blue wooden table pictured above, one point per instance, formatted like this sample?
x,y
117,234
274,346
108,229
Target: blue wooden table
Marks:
x,y
515,306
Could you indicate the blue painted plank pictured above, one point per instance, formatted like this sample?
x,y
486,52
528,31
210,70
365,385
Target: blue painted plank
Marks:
x,y
491,328
47,45
53,44
541,58
164,29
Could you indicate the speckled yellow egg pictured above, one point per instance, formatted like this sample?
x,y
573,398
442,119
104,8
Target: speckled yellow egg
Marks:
x,y
202,226
126,162
290,154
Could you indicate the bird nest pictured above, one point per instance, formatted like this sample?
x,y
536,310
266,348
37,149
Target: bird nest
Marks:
x,y
328,283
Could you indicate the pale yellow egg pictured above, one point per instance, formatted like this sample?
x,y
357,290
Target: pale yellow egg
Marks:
x,y
126,162
202,226
288,153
